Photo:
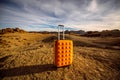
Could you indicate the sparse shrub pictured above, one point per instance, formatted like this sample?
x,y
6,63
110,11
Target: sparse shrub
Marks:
x,y
41,46
24,39
17,38
28,43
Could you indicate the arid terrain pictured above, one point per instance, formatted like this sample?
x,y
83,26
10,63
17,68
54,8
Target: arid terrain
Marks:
x,y
30,56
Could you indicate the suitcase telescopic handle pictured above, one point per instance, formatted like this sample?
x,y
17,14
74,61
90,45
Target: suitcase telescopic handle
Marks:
x,y
59,27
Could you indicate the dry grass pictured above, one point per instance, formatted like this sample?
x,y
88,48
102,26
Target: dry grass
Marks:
x,y
29,56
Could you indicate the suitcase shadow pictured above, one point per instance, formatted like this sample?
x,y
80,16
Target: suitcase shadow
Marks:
x,y
24,70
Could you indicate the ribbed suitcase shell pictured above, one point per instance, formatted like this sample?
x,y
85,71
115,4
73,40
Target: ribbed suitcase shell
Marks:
x,y
63,52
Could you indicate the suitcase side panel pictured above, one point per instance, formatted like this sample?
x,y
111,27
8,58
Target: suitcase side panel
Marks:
x,y
63,52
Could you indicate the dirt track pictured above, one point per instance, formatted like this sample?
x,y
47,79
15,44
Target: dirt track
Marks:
x,y
30,56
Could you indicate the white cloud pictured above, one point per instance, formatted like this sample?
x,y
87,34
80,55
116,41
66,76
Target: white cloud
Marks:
x,y
93,6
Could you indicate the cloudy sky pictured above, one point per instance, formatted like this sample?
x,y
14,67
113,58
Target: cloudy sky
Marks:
x,y
40,15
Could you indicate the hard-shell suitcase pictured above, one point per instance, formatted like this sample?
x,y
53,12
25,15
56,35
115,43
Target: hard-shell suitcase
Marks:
x,y
63,50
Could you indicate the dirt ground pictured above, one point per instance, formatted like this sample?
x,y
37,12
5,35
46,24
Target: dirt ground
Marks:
x,y
30,56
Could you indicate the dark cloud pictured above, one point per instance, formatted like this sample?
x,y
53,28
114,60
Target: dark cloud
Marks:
x,y
110,3
10,3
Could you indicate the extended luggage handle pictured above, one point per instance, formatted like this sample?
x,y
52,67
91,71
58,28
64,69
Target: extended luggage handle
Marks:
x,y
59,27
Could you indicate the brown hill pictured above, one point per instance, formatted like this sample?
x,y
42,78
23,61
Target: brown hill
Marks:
x,y
11,30
104,33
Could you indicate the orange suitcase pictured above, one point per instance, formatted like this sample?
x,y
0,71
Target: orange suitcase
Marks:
x,y
63,51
